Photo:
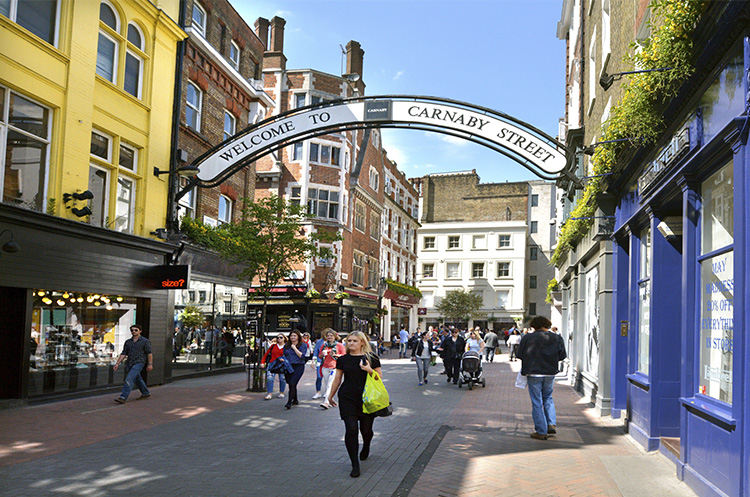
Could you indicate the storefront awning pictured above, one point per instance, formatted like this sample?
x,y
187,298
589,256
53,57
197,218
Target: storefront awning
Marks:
x,y
401,299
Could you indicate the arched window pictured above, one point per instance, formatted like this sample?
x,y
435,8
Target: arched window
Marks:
x,y
108,46
134,62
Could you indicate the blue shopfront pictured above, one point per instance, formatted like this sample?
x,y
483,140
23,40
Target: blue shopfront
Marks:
x,y
679,371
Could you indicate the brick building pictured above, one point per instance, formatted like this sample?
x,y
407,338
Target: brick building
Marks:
x,y
221,94
340,176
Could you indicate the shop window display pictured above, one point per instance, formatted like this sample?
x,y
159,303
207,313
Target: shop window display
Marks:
x,y
76,338
715,376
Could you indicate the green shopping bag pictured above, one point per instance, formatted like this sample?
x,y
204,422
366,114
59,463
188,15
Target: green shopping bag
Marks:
x,y
375,396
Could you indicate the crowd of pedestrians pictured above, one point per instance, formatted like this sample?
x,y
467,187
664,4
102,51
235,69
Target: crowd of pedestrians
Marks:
x,y
341,369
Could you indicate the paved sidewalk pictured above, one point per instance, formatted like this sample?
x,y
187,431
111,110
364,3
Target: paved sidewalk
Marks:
x,y
209,437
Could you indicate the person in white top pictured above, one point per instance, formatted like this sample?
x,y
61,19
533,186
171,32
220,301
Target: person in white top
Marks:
x,y
513,340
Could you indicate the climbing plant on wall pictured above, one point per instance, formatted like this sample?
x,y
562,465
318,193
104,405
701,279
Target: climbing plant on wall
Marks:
x,y
637,113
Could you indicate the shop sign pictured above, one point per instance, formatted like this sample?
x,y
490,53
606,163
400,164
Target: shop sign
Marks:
x,y
168,277
669,155
284,322
421,311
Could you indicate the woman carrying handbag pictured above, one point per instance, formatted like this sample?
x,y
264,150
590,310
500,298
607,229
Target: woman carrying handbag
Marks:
x,y
352,370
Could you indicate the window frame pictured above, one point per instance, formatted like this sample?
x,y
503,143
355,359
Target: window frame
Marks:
x,y
478,265
359,216
200,28
315,202
197,110
425,274
448,276
533,253
499,271
433,240
228,210
233,121
234,61
458,240
53,36
500,243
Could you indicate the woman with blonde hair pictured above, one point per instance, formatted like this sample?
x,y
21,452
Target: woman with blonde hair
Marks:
x,y
353,368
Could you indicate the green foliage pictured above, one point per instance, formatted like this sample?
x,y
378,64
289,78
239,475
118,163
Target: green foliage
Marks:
x,y
312,294
459,305
402,288
552,286
638,112
191,316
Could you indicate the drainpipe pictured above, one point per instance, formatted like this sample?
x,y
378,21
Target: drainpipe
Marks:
x,y
173,180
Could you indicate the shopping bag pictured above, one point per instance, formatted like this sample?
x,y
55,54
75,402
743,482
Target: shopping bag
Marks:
x,y
375,396
520,381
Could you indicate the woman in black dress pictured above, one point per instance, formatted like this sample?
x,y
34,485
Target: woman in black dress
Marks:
x,y
353,368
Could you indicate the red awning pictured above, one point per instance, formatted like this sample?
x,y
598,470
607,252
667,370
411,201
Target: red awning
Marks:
x,y
362,295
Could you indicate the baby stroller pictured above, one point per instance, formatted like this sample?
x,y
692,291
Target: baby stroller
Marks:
x,y
471,370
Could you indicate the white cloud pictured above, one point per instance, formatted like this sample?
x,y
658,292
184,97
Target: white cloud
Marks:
x,y
454,140
398,75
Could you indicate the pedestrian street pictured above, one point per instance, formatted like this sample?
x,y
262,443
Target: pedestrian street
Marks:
x,y
209,437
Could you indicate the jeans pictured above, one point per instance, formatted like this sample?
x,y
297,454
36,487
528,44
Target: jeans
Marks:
x,y
328,375
489,353
423,367
133,378
542,405
402,347
269,382
318,378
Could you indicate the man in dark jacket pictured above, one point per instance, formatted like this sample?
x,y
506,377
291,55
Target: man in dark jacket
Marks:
x,y
451,348
540,353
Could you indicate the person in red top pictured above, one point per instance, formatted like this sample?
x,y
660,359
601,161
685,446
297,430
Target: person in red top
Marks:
x,y
275,351
329,353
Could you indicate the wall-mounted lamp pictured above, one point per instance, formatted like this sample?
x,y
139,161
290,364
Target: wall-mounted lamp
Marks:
x,y
606,80
10,246
187,170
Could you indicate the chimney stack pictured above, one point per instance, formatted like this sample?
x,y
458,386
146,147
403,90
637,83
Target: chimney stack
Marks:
x,y
354,61
277,35
274,57
261,30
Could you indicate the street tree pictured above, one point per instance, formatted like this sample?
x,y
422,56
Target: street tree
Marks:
x,y
459,305
191,316
271,239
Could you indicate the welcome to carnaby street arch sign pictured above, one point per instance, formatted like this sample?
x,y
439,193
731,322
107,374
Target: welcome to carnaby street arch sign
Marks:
x,y
525,144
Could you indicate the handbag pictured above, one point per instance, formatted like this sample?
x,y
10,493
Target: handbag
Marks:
x,y
384,412
374,396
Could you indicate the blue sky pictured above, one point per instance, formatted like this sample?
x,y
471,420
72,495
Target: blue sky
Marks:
x,y
500,54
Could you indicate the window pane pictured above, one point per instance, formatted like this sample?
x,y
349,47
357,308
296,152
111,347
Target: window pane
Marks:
x,y
229,125
38,17
133,75
644,325
199,18
534,200
299,100
125,198
5,7
28,116
297,155
718,210
107,16
333,210
105,58
717,327
127,158
314,152
325,154
335,156
98,186
225,209
25,160
99,145
134,36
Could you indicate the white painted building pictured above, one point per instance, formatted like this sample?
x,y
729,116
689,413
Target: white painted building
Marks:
x,y
487,257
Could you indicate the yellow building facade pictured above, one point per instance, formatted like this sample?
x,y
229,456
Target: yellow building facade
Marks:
x,y
87,91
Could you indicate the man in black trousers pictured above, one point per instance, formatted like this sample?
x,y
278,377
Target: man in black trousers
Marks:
x,y
452,348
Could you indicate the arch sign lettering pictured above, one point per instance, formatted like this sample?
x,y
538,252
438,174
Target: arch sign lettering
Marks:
x,y
523,143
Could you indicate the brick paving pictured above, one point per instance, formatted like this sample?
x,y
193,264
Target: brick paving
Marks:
x,y
208,436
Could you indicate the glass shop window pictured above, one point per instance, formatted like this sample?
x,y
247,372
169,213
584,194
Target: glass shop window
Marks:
x,y
644,302
716,344
76,338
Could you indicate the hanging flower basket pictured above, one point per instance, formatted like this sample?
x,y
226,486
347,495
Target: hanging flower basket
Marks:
x,y
312,294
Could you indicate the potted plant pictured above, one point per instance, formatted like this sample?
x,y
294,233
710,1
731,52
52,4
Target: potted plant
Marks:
x,y
341,295
312,294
